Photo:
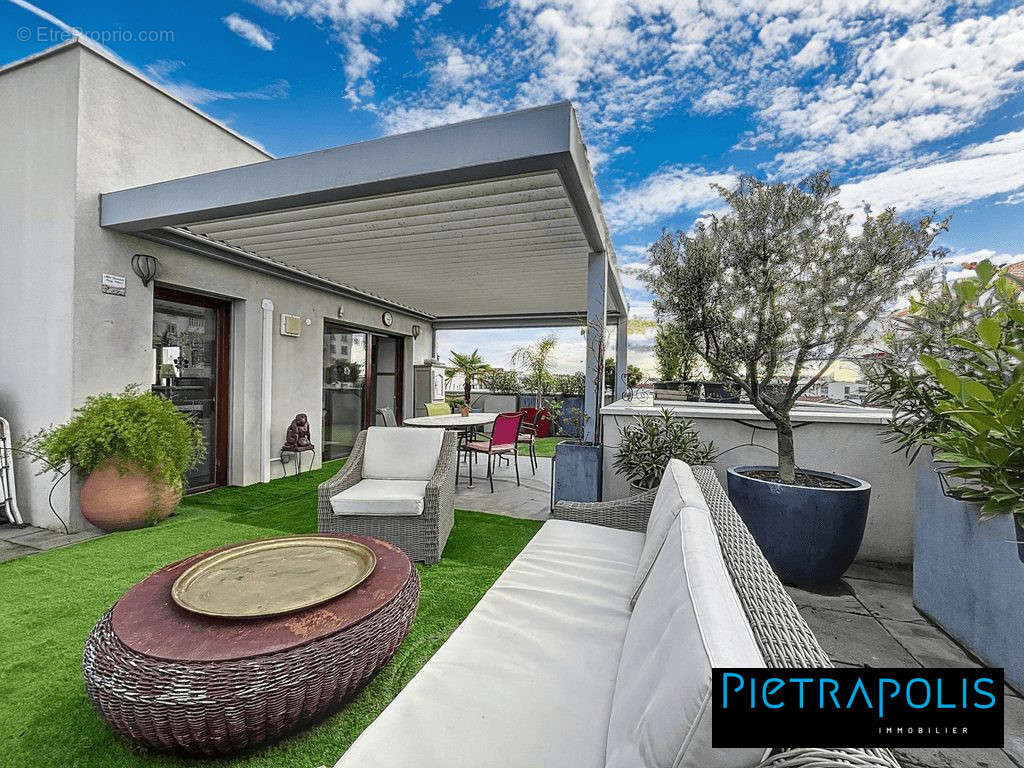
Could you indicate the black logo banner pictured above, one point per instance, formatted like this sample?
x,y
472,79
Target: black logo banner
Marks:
x,y
870,707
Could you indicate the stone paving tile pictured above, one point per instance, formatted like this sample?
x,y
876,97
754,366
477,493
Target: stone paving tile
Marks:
x,y
42,538
9,551
841,599
887,601
954,758
892,574
1013,729
856,639
928,644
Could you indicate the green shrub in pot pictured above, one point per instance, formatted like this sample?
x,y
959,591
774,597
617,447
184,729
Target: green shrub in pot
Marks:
x,y
133,449
650,441
954,376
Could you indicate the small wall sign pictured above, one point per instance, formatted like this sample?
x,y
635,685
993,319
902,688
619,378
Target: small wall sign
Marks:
x,y
113,284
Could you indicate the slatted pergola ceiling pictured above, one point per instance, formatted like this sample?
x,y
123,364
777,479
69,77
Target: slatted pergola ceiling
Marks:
x,y
429,249
490,218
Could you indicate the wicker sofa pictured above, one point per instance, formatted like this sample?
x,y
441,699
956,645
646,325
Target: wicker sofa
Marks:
x,y
594,648
410,501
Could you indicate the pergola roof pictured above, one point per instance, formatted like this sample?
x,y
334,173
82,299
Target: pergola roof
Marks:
x,y
485,222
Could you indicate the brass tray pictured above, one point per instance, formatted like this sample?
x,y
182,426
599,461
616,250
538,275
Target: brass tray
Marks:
x,y
269,578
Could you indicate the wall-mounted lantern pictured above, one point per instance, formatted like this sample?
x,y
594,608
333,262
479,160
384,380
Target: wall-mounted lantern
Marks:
x,y
146,267
416,330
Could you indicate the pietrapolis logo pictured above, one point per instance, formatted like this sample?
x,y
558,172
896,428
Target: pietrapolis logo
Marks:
x,y
878,707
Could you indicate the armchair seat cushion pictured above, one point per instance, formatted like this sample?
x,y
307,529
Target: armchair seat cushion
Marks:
x,y
485,447
381,497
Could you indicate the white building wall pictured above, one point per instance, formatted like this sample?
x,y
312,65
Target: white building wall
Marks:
x,y
117,131
37,166
845,440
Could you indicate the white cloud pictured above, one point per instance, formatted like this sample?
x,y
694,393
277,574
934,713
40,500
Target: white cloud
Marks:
x,y
431,10
457,68
663,193
932,82
350,21
994,167
161,72
250,31
414,117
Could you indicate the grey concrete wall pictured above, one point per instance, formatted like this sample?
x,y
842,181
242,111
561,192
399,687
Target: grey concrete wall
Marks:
x,y
851,446
111,130
37,167
967,576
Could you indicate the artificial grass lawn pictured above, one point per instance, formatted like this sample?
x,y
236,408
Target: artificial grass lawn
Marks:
x,y
545,447
50,601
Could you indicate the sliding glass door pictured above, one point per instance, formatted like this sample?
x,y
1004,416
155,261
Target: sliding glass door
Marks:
x,y
344,389
362,374
386,376
190,367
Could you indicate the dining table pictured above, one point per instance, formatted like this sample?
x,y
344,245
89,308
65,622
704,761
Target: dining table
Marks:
x,y
454,421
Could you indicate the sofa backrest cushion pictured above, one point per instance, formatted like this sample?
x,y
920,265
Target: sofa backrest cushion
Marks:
x,y
401,453
686,620
678,489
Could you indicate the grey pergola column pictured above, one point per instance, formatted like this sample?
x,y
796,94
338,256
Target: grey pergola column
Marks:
x,y
597,292
621,334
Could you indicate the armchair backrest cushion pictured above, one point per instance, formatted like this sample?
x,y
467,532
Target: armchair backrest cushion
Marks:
x,y
687,619
401,453
678,489
437,409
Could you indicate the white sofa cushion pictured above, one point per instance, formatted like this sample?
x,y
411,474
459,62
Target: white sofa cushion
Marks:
x,y
687,620
381,497
401,453
678,489
527,679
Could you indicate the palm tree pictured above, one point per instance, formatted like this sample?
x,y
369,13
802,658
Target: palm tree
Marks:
x,y
536,358
470,367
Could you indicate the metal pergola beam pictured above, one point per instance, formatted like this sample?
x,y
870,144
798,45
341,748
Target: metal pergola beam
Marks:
x,y
418,168
597,319
543,320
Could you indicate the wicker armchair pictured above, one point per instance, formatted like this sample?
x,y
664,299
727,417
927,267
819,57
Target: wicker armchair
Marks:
x,y
422,537
784,638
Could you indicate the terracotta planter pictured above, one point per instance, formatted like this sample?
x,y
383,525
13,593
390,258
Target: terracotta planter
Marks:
x,y
119,497
464,410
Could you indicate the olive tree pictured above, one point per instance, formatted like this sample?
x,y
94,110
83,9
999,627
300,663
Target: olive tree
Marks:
x,y
782,284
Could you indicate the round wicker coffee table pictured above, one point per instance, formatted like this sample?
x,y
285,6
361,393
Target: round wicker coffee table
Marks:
x,y
175,680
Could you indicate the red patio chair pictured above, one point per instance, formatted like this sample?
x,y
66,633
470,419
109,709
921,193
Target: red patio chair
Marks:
x,y
502,441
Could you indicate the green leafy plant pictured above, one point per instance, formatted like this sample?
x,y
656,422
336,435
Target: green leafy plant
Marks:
x,y
502,381
570,384
782,285
650,441
134,427
470,367
634,375
537,359
954,376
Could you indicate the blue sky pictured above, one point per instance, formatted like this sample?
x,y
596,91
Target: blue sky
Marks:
x,y
910,103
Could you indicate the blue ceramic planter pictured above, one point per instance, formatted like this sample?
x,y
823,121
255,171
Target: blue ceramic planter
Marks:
x,y
810,536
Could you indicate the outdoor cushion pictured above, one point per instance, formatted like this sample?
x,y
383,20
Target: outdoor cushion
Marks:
x,y
484,446
401,453
527,678
678,489
688,619
381,497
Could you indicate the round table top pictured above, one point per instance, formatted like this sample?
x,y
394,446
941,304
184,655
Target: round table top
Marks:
x,y
451,420
148,620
